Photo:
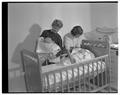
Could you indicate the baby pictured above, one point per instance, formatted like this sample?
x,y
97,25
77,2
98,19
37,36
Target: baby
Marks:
x,y
48,46
52,47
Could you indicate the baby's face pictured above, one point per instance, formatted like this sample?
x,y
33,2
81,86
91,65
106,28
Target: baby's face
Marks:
x,y
48,40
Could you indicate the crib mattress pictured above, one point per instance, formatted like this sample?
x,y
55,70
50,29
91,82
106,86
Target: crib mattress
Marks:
x,y
92,67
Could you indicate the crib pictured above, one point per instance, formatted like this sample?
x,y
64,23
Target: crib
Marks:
x,y
88,76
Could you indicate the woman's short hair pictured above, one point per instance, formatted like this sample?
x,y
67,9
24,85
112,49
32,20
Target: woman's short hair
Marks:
x,y
57,23
77,30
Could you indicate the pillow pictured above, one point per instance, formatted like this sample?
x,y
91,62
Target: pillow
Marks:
x,y
80,54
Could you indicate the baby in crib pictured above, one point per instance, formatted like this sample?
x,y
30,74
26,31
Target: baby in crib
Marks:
x,y
49,47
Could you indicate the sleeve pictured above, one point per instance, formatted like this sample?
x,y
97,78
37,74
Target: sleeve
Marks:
x,y
80,40
38,49
59,41
68,43
44,34
41,47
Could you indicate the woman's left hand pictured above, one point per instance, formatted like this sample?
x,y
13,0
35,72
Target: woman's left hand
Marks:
x,y
52,56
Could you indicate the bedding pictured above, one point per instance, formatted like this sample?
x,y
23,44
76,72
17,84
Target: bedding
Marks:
x,y
47,47
79,55
75,70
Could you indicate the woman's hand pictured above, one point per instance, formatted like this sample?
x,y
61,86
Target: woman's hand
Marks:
x,y
52,56
71,48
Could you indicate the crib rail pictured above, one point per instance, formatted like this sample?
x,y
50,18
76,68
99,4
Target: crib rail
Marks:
x,y
87,76
32,70
76,65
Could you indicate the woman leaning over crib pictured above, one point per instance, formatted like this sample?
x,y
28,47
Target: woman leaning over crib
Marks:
x,y
52,37
74,38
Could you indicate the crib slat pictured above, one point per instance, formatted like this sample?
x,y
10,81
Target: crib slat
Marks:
x,y
44,87
88,78
73,79
55,83
106,71
83,78
48,84
68,88
97,74
101,72
109,73
93,74
109,67
79,86
61,81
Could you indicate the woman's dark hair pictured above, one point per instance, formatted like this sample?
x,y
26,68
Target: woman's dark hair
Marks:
x,y
77,30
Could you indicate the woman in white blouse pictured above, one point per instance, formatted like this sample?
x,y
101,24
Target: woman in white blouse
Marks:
x,y
74,38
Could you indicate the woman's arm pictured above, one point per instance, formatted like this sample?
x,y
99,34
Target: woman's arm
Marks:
x,y
80,40
71,58
68,43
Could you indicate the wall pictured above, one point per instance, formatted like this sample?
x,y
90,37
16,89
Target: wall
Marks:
x,y
75,14
104,15
22,17
25,21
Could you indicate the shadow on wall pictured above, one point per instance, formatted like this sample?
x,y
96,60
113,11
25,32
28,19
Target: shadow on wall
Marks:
x,y
29,43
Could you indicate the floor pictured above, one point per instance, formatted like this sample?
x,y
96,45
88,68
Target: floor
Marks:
x,y
18,84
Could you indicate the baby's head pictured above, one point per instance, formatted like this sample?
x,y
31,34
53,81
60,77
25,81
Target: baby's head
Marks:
x,y
48,40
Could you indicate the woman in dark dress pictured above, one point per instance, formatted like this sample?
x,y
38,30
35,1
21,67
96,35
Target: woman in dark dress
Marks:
x,y
55,37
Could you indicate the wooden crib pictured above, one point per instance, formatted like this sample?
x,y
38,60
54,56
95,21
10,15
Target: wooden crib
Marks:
x,y
94,78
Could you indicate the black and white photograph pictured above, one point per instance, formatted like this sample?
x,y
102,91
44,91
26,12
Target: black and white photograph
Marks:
x,y
62,47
